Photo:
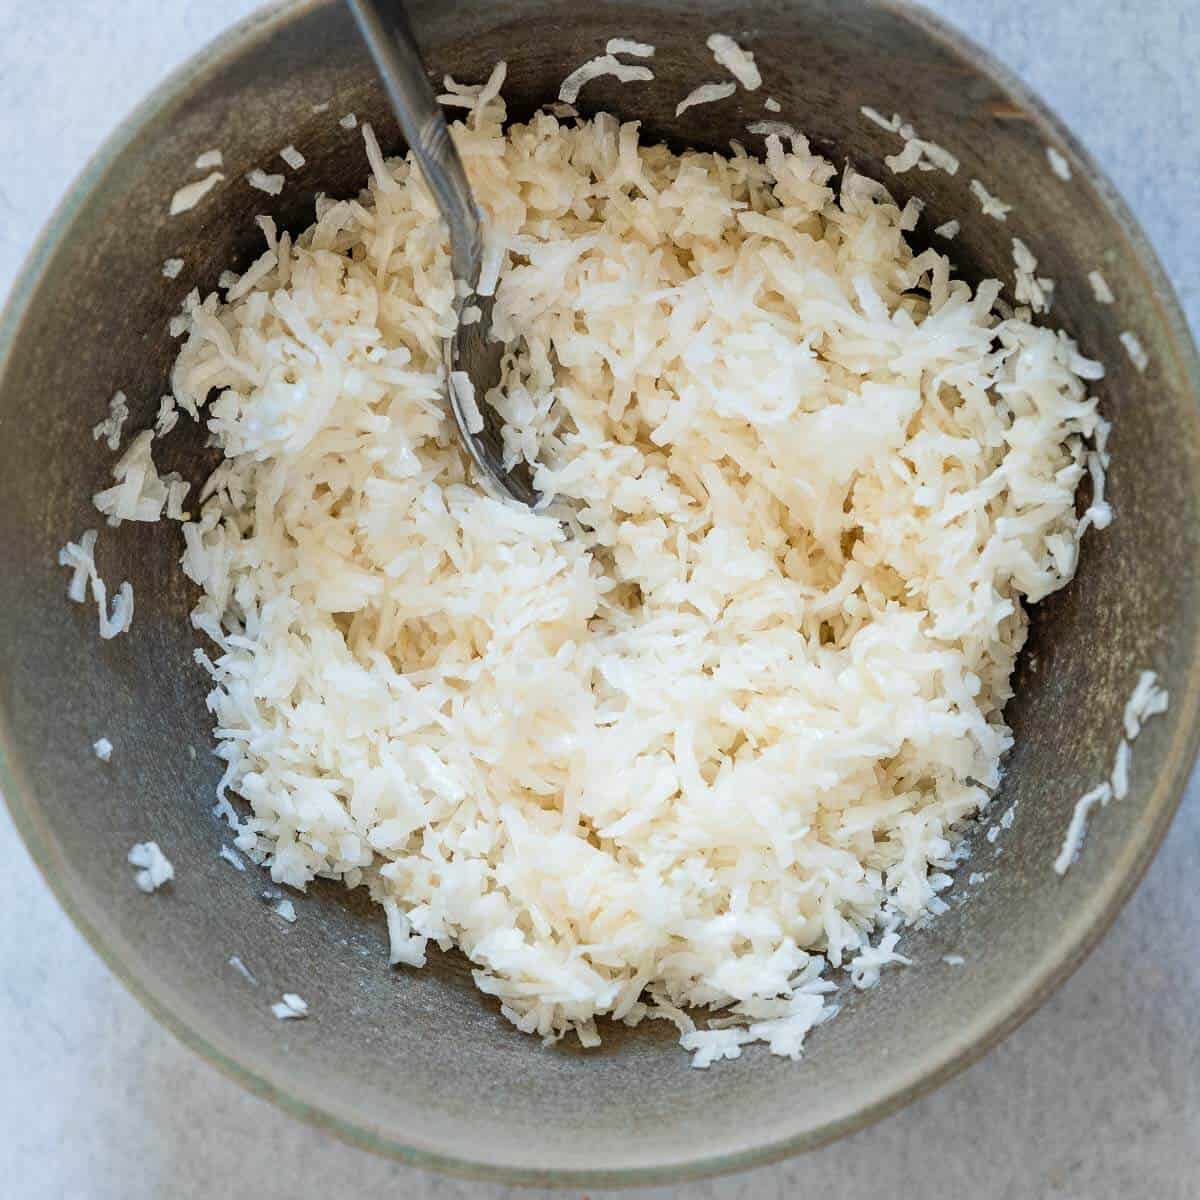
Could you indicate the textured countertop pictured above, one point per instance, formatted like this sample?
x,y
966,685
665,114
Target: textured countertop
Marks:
x,y
1097,1097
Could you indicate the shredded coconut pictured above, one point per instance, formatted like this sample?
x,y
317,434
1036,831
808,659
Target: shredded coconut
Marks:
x,y
80,557
771,104
706,93
232,857
139,493
464,393
154,868
210,159
166,418
1029,289
1136,351
188,196
992,207
1119,780
594,68
1100,288
953,960
1148,699
110,428
949,230
405,945
171,267
1073,841
292,157
891,124
870,960
916,152
779,129
349,121
287,910
244,971
625,46
708,732
271,184
1058,164
289,1007
103,749
738,62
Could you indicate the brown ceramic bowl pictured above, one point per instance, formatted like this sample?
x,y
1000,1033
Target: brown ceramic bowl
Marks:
x,y
418,1064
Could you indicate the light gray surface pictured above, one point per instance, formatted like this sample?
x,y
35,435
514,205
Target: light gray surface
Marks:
x,y
1097,1097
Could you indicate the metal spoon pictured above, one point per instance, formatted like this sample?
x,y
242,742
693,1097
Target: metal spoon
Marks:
x,y
385,28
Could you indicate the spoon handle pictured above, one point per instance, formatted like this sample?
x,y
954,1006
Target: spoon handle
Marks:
x,y
385,28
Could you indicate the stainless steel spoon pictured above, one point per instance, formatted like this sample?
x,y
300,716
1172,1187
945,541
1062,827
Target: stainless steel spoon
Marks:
x,y
385,28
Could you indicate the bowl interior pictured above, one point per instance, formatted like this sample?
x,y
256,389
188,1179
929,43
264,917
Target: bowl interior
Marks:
x,y
419,1063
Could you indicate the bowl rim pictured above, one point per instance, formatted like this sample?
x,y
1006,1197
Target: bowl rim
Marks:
x,y
1079,935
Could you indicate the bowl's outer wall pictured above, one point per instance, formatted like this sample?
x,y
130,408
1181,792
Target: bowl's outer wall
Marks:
x,y
419,1063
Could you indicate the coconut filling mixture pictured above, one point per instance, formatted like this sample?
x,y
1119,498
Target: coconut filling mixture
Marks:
x,y
704,731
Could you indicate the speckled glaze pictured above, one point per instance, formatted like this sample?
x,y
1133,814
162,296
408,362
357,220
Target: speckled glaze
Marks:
x,y
418,1064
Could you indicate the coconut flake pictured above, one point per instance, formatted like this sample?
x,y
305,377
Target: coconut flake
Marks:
x,y
738,62
264,182
110,428
595,68
232,857
625,46
1058,164
289,1007
706,93
464,394
244,971
1136,351
154,868
992,207
292,157
188,196
1100,288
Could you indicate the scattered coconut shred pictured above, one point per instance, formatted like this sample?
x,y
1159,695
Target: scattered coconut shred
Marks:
x,y
991,205
1058,163
738,62
917,152
154,868
1147,700
264,182
595,68
110,428
706,93
1136,351
81,558
1100,288
188,196
703,730
289,1007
